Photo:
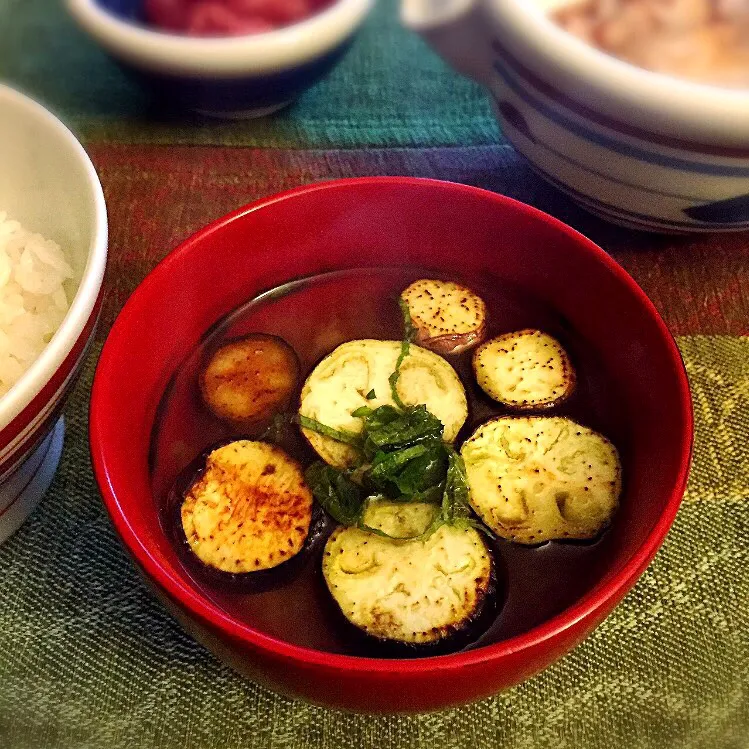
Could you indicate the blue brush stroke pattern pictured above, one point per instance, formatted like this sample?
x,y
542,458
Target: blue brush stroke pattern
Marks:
x,y
721,212
618,146
515,117
506,107
646,220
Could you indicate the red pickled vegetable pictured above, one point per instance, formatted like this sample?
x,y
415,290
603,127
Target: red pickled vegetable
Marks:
x,y
171,15
228,17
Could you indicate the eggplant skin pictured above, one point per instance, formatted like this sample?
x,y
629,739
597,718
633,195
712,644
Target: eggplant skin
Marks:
x,y
341,382
526,370
536,478
248,510
448,318
247,381
411,592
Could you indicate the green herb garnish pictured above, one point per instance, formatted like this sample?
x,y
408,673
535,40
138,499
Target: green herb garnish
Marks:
x,y
408,333
386,466
407,462
274,432
339,435
342,498
455,497
376,417
415,424
404,460
422,475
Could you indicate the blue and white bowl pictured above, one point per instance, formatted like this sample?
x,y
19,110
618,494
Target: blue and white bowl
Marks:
x,y
231,77
638,148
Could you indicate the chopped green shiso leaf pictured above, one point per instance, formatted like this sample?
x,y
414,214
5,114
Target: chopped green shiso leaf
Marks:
x,y
403,458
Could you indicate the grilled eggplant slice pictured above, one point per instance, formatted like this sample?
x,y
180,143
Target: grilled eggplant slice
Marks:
x,y
535,478
448,318
357,374
249,380
249,510
527,370
416,592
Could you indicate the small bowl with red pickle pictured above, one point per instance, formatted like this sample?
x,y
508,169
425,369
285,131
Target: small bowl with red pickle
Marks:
x,y
224,58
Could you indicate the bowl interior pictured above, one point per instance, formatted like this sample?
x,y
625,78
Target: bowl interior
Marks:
x,y
44,182
393,222
48,183
656,101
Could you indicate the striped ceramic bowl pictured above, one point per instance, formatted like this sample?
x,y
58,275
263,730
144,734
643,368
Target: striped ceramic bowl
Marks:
x,y
638,148
48,183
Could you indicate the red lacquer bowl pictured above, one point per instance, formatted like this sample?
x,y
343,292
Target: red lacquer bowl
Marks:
x,y
364,223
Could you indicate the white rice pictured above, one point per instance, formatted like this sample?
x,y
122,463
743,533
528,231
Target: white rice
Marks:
x,y
33,301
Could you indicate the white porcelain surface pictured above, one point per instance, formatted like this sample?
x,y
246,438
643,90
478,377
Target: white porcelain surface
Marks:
x,y
47,182
35,477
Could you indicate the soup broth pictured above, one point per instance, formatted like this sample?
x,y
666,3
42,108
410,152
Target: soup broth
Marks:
x,y
315,315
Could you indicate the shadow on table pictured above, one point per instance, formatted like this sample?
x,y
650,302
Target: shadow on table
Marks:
x,y
525,185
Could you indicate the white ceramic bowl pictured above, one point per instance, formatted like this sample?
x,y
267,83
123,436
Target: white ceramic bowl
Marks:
x,y
639,148
233,77
48,183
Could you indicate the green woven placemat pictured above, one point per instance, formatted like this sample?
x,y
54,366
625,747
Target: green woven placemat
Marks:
x,y
89,659
389,90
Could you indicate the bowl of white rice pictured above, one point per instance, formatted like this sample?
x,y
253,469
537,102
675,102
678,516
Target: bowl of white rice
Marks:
x,y
53,249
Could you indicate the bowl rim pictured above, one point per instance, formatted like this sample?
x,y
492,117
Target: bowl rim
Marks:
x,y
619,81
606,592
33,380
205,57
